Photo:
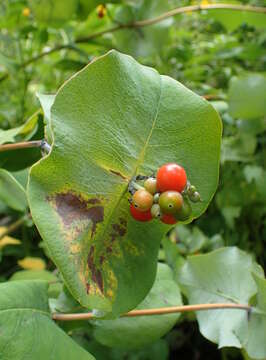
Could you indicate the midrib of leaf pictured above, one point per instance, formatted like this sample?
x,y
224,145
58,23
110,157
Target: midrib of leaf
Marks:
x,y
212,292
26,309
141,159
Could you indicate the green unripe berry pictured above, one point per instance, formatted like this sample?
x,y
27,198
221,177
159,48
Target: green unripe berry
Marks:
x,y
185,211
142,200
170,202
195,197
156,198
192,189
151,185
156,211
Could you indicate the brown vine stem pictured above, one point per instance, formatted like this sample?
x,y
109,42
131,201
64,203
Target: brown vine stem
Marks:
x,y
21,145
142,23
171,13
159,311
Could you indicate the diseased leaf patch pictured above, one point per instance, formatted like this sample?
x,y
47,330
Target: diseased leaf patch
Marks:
x,y
80,216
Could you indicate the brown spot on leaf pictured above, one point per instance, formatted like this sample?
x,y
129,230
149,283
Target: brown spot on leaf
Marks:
x,y
96,274
123,222
94,201
121,231
87,288
72,207
109,250
102,259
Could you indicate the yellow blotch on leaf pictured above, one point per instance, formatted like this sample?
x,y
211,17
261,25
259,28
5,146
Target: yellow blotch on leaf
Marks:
x,y
7,240
31,263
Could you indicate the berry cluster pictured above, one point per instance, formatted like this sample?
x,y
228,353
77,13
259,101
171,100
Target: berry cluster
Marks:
x,y
165,197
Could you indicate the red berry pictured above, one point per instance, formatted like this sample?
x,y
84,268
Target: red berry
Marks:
x,y
140,215
168,219
171,177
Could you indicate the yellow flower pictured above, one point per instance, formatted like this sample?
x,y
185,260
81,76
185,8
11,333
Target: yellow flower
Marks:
x,y
26,12
7,240
31,263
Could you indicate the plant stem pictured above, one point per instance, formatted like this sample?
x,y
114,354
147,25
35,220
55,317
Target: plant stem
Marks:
x,y
21,145
11,228
142,23
159,311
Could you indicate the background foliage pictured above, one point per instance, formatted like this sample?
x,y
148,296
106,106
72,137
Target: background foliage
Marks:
x,y
218,54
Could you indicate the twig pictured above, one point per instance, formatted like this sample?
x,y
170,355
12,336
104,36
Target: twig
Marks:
x,y
11,228
21,145
171,13
142,23
159,311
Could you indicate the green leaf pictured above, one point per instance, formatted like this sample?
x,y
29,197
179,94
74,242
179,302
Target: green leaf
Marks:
x,y
25,316
247,96
233,19
53,12
132,122
54,288
139,331
11,191
25,131
147,41
46,103
255,344
221,276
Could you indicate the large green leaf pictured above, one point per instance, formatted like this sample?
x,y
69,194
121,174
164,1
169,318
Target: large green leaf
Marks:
x,y
222,276
27,331
140,331
12,192
111,121
255,344
247,96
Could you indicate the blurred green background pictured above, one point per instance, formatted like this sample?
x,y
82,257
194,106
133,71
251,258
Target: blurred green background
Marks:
x,y
219,54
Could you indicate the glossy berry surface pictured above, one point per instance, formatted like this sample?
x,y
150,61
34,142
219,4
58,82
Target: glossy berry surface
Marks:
x,y
171,177
195,197
140,215
151,185
142,200
170,202
168,219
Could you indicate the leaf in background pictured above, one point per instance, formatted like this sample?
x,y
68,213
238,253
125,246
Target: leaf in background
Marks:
x,y
53,12
11,191
221,276
54,288
247,96
25,131
233,19
238,148
132,333
25,317
147,41
46,103
255,344
113,120
7,240
33,275
31,263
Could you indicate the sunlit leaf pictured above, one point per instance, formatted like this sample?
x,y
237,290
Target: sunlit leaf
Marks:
x,y
111,121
